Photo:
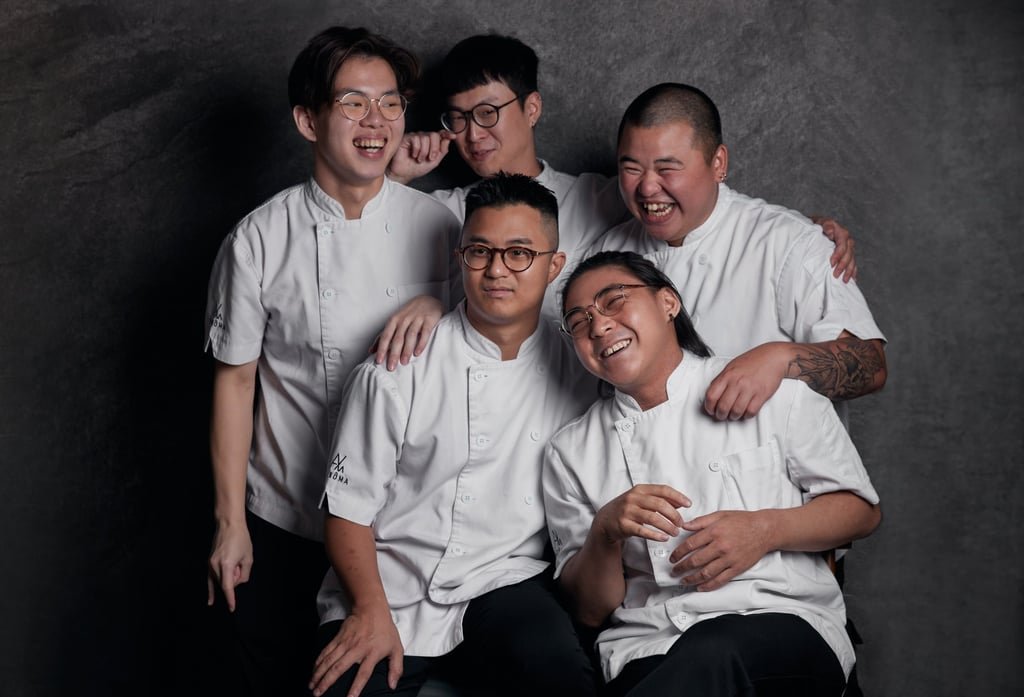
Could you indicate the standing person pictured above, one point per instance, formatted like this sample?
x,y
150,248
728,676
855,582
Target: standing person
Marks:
x,y
634,488
436,531
754,277
298,291
492,107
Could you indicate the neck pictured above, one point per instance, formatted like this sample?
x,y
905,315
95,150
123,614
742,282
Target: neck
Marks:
x,y
352,197
655,391
508,337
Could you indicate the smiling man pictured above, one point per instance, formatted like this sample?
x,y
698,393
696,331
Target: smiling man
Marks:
x,y
755,278
436,530
298,292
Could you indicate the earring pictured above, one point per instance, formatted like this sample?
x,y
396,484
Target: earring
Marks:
x,y
722,176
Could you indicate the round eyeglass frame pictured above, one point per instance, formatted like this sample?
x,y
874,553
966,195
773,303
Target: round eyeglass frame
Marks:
x,y
530,255
369,105
474,114
568,327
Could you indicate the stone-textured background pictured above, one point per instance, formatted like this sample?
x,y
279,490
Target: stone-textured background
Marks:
x,y
133,134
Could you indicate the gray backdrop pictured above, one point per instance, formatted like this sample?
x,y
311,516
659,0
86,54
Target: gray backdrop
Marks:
x,y
134,134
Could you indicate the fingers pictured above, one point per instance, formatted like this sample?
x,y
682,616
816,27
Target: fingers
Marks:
x,y
209,590
331,664
395,668
711,576
413,337
227,584
426,147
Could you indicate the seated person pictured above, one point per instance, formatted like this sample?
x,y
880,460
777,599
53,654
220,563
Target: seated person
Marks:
x,y
436,531
694,542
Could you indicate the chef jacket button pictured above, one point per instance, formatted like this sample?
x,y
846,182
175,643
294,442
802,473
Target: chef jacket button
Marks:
x,y
325,231
328,293
391,292
534,435
715,466
528,499
333,354
659,552
466,498
479,375
702,259
481,440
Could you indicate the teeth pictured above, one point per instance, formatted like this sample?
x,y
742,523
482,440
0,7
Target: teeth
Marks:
x,y
615,348
657,210
374,144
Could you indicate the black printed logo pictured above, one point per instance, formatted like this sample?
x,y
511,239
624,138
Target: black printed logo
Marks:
x,y
338,469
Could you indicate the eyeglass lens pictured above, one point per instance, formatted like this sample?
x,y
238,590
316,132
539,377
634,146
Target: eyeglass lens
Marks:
x,y
356,105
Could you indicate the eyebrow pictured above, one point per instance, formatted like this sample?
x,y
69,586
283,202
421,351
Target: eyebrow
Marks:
x,y
658,161
516,242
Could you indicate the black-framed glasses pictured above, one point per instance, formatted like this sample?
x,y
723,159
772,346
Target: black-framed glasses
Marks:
x,y
608,301
478,257
356,105
483,115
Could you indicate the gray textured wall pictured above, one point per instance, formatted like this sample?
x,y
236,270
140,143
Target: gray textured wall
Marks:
x,y
134,134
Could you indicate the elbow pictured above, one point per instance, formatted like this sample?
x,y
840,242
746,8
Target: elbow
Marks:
x,y
871,520
881,373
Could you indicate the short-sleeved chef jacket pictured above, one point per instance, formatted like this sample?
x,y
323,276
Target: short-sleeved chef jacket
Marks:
x,y
753,273
306,291
443,458
793,450
588,206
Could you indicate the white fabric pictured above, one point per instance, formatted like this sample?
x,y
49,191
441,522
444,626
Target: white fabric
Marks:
x,y
588,206
306,291
754,273
793,450
443,457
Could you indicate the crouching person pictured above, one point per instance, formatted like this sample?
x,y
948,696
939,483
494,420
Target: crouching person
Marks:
x,y
436,532
695,542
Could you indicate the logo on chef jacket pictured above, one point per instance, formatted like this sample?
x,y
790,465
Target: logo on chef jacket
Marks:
x,y
217,321
338,469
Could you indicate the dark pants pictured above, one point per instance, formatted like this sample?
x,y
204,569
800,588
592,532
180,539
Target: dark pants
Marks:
x,y
518,640
275,619
767,655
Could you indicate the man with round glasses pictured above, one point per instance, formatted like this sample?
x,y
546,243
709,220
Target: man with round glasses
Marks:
x,y
298,291
436,530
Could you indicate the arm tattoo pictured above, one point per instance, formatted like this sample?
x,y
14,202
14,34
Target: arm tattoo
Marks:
x,y
840,369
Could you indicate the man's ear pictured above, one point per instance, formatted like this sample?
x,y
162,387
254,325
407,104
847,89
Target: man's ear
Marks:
x,y
556,266
670,302
305,123
532,107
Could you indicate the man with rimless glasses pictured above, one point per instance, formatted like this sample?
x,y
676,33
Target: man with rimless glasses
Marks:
x,y
436,532
298,292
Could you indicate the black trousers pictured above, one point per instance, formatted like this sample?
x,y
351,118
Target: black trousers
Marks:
x,y
764,655
273,627
518,640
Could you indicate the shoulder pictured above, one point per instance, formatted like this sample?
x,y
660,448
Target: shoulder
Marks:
x,y
629,237
421,203
763,218
269,213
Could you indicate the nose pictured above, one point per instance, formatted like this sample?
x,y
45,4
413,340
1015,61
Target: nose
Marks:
x,y
496,267
474,131
648,184
599,324
373,116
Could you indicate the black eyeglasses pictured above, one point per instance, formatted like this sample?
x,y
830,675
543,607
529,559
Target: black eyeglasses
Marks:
x,y
483,115
517,259
356,105
608,302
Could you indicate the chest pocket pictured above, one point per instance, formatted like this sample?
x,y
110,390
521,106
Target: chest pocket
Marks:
x,y
755,478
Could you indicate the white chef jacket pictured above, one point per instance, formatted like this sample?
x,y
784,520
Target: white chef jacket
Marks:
x,y
754,273
306,291
443,458
588,206
793,450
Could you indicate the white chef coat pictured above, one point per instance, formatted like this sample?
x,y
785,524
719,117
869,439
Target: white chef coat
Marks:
x,y
793,450
754,273
306,291
588,206
443,458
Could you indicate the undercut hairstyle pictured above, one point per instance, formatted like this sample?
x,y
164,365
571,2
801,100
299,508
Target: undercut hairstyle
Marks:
x,y
652,277
672,102
485,58
505,189
311,80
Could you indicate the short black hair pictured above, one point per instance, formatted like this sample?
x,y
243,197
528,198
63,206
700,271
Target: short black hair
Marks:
x,y
311,80
505,189
670,102
484,58
652,277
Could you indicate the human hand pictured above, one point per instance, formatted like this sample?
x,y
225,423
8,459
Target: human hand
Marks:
x,y
365,638
722,546
230,561
418,154
406,332
842,260
747,382
646,510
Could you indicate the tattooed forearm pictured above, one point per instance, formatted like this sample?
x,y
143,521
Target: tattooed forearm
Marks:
x,y
840,369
